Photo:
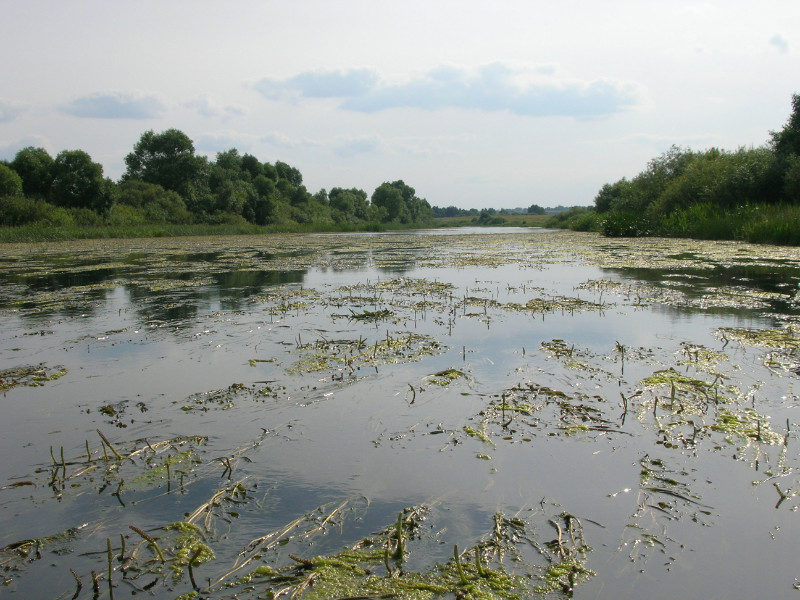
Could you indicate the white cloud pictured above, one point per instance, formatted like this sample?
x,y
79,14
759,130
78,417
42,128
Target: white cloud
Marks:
x,y
319,84
9,111
535,92
281,140
116,105
220,141
349,147
780,42
207,107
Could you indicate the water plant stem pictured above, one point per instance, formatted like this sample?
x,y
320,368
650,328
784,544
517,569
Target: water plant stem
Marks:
x,y
105,439
151,540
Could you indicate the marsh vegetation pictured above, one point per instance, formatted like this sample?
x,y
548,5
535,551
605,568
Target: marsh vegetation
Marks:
x,y
401,415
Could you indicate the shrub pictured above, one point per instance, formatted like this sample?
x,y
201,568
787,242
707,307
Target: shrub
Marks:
x,y
10,182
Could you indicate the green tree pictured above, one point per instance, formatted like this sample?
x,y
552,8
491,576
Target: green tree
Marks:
x,y
390,198
349,205
156,204
78,182
289,173
10,182
610,193
535,209
787,141
168,159
35,166
251,166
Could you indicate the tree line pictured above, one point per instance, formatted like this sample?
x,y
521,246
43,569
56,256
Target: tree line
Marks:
x,y
165,181
751,194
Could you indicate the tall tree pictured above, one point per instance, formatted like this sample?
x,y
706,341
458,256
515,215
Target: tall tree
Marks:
x,y
390,198
289,173
78,182
166,159
35,166
10,182
787,141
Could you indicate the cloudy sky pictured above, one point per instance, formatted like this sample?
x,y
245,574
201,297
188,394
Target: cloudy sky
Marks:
x,y
473,103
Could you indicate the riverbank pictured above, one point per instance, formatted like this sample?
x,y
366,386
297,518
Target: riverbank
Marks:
x,y
40,233
754,223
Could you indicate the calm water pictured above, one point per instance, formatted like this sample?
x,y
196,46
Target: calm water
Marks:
x,y
312,370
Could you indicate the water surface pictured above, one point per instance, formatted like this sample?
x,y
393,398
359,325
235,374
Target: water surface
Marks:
x,y
645,388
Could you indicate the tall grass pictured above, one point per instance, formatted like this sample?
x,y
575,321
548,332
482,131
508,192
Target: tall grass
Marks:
x,y
756,223
39,232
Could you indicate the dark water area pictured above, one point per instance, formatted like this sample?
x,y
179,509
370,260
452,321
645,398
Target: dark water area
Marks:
x,y
619,417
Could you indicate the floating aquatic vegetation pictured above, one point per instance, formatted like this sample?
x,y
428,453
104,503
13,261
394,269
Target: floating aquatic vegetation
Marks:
x,y
527,410
700,357
784,337
571,357
225,399
446,377
189,547
213,399
349,356
686,393
745,425
29,376
15,556
376,567
665,496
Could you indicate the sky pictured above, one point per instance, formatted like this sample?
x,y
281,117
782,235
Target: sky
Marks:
x,y
475,104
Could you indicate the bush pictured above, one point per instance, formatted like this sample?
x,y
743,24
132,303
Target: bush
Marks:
x,y
625,224
85,217
124,215
18,210
10,182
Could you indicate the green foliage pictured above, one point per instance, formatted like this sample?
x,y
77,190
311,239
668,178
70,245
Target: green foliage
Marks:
x,y
577,219
791,179
348,206
747,194
167,159
17,210
153,202
78,182
10,182
125,215
399,203
488,216
786,142
34,165
165,183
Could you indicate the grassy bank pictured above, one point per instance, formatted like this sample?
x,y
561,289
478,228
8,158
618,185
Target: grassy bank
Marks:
x,y
50,233
756,223
40,233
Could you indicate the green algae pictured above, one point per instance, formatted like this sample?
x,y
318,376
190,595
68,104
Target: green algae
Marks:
x,y
225,399
189,545
700,357
745,425
671,377
346,357
783,338
29,376
480,433
446,377
375,566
